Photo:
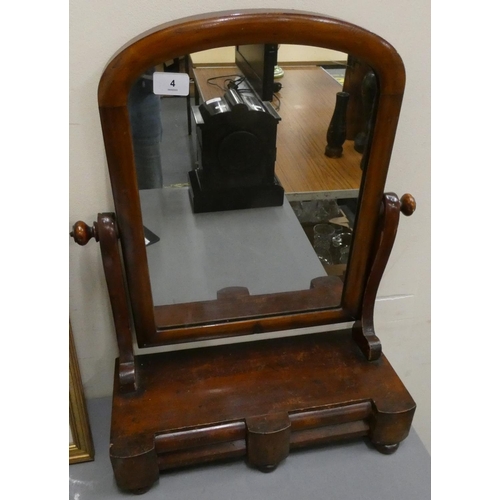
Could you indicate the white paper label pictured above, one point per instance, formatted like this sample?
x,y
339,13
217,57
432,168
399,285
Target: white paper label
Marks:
x,y
170,83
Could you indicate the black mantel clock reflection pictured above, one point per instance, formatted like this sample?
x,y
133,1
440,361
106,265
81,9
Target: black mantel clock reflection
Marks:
x,y
236,146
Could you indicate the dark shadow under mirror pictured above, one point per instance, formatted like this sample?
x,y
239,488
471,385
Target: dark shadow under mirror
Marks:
x,y
273,257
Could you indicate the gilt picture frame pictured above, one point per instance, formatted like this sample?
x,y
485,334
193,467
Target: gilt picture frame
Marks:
x,y
81,447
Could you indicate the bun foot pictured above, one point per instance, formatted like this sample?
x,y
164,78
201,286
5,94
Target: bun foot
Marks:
x,y
386,449
140,491
267,468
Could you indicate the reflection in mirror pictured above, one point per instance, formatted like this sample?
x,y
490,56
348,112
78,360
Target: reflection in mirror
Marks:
x,y
322,102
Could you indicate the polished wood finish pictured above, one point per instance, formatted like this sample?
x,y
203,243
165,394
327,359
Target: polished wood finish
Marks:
x,y
106,233
364,329
306,104
82,233
408,204
259,399
268,440
238,305
203,32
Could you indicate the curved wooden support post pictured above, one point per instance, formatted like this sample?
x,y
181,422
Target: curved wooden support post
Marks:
x,y
105,231
268,440
364,330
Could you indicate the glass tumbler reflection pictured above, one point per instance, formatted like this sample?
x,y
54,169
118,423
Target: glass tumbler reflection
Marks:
x,y
323,234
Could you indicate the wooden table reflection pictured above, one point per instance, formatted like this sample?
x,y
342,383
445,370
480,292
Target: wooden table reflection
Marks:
x,y
305,104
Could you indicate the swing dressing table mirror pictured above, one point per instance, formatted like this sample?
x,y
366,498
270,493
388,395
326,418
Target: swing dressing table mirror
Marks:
x,y
257,399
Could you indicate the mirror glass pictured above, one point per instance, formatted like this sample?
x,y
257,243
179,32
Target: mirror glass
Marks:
x,y
307,142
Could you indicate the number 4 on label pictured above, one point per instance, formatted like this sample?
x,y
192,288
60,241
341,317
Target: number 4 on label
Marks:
x,y
170,83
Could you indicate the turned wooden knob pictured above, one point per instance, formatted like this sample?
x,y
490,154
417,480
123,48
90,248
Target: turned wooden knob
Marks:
x,y
408,204
82,233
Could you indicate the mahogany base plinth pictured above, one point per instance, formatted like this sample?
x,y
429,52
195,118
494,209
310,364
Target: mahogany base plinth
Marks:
x,y
258,399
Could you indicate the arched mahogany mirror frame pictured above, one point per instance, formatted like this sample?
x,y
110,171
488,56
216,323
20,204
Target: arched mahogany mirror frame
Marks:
x,y
194,34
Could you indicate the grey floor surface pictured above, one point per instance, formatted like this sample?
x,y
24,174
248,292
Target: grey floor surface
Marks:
x,y
342,471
